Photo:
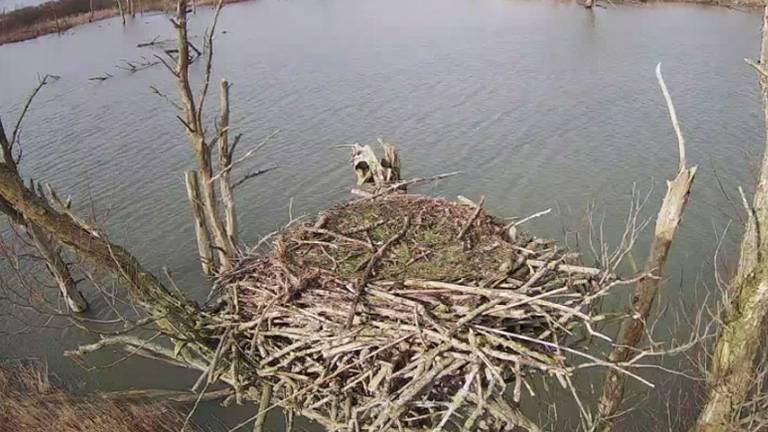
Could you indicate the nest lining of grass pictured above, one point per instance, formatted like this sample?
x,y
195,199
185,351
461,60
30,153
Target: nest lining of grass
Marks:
x,y
408,312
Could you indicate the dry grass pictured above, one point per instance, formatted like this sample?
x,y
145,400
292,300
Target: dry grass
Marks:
x,y
29,403
40,28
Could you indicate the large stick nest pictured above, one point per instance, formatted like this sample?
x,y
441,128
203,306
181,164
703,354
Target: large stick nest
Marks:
x,y
408,312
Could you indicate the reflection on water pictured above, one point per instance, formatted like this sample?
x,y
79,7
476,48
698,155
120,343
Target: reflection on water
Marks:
x,y
540,104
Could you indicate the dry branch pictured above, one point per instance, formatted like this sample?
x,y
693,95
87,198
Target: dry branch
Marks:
x,y
667,223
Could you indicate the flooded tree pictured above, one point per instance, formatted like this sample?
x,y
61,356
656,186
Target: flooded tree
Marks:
x,y
732,372
46,246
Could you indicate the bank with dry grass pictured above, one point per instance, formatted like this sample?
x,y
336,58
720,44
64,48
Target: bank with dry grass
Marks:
x,y
60,15
30,403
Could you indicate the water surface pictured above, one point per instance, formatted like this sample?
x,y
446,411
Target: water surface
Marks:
x,y
540,104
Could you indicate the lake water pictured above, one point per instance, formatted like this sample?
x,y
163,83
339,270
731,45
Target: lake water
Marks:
x,y
540,104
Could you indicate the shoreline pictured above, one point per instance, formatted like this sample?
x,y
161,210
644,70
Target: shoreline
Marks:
x,y
45,25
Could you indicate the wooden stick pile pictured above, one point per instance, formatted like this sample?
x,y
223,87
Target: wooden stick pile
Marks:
x,y
405,312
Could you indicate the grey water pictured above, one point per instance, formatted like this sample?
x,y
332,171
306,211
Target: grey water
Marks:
x,y
540,104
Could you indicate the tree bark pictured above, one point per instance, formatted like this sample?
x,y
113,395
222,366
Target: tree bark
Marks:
x,y
225,160
733,366
195,131
59,270
120,9
633,327
47,248
201,229
175,314
55,264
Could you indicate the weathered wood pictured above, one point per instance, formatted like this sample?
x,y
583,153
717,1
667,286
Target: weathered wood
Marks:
x,y
390,162
45,246
633,327
201,228
55,264
225,160
732,369
120,9
369,169
196,133
145,289
367,166
265,400
58,269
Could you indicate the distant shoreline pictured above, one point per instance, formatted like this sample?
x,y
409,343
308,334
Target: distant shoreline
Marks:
x,y
729,4
60,15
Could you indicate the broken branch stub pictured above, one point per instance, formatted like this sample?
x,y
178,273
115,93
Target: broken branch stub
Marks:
x,y
370,170
667,222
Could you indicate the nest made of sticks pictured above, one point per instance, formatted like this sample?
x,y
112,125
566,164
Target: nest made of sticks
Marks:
x,y
408,312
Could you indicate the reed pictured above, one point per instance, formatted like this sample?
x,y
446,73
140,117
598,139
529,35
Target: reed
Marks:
x,y
30,403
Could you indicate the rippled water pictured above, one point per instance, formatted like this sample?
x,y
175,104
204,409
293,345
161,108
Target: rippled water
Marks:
x,y
540,104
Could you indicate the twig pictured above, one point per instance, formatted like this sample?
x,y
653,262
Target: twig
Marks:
x,y
673,117
371,265
468,224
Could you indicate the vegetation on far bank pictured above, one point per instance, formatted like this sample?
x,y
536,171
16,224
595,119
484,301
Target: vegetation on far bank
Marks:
x,y
60,15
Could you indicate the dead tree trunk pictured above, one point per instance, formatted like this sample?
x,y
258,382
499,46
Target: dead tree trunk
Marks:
x,y
120,9
23,203
143,286
633,327
732,369
225,160
58,269
201,229
45,246
196,133
48,252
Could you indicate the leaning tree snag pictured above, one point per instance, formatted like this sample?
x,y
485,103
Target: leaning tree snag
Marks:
x,y
56,265
733,365
143,286
47,247
667,222
52,226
